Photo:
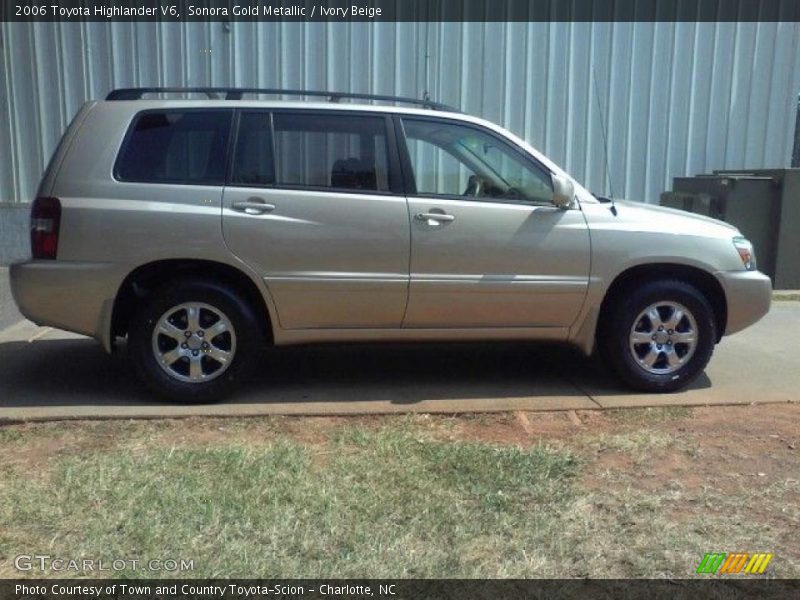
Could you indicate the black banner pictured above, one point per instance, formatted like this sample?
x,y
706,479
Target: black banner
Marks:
x,y
399,10
384,589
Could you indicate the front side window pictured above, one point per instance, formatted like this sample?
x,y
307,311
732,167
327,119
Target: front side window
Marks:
x,y
449,159
186,147
343,152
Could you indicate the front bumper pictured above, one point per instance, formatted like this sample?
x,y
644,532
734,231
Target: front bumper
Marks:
x,y
70,295
748,295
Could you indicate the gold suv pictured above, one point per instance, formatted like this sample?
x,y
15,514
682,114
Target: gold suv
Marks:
x,y
201,229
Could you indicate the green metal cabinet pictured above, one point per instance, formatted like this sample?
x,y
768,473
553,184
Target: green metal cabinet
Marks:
x,y
764,204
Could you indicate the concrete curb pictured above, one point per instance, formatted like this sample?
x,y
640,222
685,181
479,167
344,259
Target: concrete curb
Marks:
x,y
231,411
786,295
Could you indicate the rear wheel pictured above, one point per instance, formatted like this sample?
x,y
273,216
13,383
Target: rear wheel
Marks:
x,y
193,342
659,337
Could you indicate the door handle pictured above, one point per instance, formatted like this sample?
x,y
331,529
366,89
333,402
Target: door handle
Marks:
x,y
253,206
434,218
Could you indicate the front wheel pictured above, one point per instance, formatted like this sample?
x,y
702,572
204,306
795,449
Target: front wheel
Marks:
x,y
660,336
193,342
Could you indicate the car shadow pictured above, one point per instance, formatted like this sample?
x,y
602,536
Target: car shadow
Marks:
x,y
77,372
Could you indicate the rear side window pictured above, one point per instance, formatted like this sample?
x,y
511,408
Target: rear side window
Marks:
x,y
185,147
346,152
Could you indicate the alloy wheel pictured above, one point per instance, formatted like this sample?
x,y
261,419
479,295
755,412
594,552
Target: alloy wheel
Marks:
x,y
194,342
663,337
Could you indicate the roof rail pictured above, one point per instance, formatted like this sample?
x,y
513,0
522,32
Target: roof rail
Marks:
x,y
236,94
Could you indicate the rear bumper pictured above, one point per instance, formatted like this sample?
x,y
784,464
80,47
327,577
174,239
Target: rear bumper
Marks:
x,y
748,295
76,296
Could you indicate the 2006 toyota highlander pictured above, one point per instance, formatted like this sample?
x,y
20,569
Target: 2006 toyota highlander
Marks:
x,y
201,229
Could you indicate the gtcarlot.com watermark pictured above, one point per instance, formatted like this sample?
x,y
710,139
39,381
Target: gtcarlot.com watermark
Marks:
x,y
45,562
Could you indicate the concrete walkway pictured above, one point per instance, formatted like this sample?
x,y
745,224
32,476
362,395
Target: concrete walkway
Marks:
x,y
8,310
48,374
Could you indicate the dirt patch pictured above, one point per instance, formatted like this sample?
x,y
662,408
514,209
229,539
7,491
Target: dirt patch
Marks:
x,y
34,457
723,447
31,446
518,428
713,464
252,432
750,445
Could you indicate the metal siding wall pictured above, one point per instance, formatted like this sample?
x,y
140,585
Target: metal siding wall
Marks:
x,y
674,98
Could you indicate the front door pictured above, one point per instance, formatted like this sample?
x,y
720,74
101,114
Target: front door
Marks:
x,y
488,247
310,205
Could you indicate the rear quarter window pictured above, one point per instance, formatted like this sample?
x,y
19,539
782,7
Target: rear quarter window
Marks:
x,y
175,146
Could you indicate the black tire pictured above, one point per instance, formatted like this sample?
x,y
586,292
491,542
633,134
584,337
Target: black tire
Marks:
x,y
245,341
629,359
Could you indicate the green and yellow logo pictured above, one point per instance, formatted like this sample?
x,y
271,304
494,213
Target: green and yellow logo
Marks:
x,y
738,562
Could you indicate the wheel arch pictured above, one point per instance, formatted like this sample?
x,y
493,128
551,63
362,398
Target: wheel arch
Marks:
x,y
705,282
147,278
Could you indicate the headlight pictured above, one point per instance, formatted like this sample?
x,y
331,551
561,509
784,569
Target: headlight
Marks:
x,y
746,252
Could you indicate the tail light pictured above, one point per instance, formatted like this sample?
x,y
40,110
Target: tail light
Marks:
x,y
45,222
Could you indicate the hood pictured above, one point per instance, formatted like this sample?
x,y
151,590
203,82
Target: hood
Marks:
x,y
671,220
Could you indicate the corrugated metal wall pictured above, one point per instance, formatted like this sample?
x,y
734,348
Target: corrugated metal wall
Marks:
x,y
676,98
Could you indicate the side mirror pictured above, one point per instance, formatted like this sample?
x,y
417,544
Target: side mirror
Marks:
x,y
563,191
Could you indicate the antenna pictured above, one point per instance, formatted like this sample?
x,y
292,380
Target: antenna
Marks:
x,y
605,140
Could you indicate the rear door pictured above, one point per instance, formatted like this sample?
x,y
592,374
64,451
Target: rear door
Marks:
x,y
314,203
488,247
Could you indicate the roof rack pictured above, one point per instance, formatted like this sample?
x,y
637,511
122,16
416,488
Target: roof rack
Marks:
x,y
236,94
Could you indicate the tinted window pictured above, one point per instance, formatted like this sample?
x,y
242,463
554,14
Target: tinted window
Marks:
x,y
176,147
436,171
456,160
331,151
252,163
